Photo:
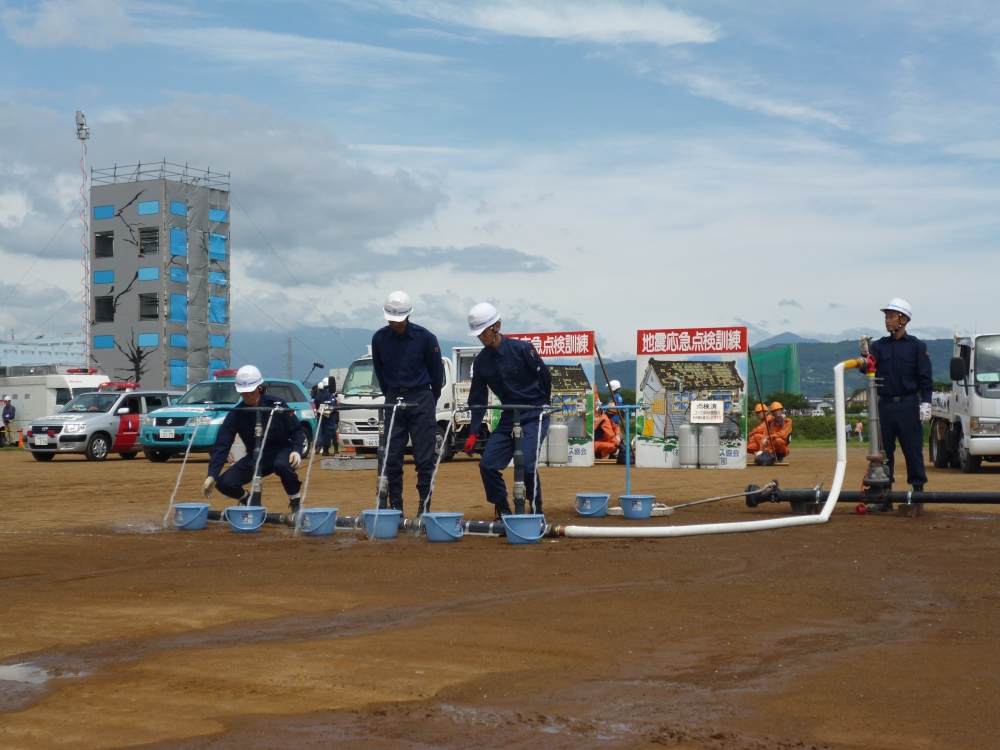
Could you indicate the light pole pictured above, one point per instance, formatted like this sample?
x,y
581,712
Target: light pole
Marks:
x,y
83,134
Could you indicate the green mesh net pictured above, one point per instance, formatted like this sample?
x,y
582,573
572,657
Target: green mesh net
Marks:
x,y
777,370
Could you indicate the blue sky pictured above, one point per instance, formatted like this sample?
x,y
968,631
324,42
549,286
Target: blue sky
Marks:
x,y
606,165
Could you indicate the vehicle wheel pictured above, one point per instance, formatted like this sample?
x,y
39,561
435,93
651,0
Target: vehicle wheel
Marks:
x,y
938,450
129,456
968,463
449,452
97,448
43,456
307,445
157,457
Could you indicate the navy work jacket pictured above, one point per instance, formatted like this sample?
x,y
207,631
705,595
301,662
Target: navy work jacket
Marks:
x,y
904,367
8,413
408,360
514,372
285,432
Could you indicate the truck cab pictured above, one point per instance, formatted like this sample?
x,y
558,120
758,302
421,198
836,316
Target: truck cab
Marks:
x,y
965,421
360,428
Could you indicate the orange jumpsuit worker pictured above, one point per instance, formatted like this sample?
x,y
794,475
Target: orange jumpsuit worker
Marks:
x,y
758,435
607,436
781,429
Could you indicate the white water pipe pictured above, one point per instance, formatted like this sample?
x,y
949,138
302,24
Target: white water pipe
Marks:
x,y
633,532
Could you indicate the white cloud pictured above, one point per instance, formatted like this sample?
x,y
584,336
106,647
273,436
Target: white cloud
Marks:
x,y
601,21
93,24
13,209
309,59
713,88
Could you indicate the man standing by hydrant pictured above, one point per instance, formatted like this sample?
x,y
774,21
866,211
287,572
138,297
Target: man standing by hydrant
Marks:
x,y
516,374
408,365
905,383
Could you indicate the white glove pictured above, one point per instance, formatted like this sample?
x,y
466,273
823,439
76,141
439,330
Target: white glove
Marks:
x,y
206,489
925,412
294,459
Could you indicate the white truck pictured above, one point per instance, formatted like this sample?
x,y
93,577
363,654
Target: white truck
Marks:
x,y
39,390
965,423
359,429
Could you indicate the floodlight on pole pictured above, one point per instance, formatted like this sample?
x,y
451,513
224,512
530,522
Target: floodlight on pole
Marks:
x,y
83,134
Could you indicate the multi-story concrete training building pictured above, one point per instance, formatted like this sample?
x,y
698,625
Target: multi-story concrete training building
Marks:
x,y
160,279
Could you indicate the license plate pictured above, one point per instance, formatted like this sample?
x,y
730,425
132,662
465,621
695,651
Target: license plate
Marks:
x,y
166,434
371,441
41,439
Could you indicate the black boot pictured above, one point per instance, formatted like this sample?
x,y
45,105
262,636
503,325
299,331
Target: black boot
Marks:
x,y
882,507
537,507
396,503
423,506
918,488
295,503
502,509
245,499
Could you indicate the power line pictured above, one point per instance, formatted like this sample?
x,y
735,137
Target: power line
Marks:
x,y
40,255
276,323
301,289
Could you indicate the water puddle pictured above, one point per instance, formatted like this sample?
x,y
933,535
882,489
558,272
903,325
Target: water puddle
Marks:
x,y
24,673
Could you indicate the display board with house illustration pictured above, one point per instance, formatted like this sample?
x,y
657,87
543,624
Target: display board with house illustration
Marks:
x,y
570,359
677,366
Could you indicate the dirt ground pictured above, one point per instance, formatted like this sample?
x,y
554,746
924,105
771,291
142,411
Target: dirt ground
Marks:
x,y
866,632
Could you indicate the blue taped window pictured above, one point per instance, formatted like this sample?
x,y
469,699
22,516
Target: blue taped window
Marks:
x,y
216,309
104,277
178,372
150,273
216,364
179,340
217,342
104,212
178,209
179,274
217,214
104,342
148,339
178,241
217,246
147,208
178,308
217,277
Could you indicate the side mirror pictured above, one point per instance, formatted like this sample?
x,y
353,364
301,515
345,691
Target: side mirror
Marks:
x,y
957,368
123,410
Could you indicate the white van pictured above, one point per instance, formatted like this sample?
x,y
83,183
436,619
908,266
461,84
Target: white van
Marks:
x,y
39,390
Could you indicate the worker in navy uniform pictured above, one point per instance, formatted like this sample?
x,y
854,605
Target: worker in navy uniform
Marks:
x,y
9,413
279,453
516,374
407,362
324,403
905,383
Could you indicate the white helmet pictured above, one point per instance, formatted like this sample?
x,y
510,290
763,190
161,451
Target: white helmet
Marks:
x,y
615,385
248,378
481,317
900,306
397,307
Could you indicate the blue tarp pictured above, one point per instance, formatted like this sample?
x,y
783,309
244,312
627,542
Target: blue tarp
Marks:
x,y
149,339
216,341
217,277
178,372
178,308
104,342
178,340
104,277
178,209
104,212
216,364
216,246
179,274
217,214
149,207
178,241
150,273
216,309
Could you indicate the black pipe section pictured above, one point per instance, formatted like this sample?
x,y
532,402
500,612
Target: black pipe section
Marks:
x,y
906,498
485,528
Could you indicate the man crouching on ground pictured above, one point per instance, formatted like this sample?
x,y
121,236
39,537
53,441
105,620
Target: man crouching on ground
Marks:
x,y
279,453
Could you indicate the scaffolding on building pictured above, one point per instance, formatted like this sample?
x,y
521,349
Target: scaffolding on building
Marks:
x,y
160,170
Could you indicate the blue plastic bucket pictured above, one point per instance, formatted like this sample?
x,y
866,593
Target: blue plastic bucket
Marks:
x,y
384,526
524,529
443,527
318,521
636,506
246,519
190,516
592,505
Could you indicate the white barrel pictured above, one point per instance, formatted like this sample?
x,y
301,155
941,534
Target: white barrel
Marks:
x,y
558,440
708,448
543,452
687,446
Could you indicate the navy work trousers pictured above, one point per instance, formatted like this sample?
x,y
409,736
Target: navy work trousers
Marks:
x,y
901,419
327,432
420,424
233,480
500,450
